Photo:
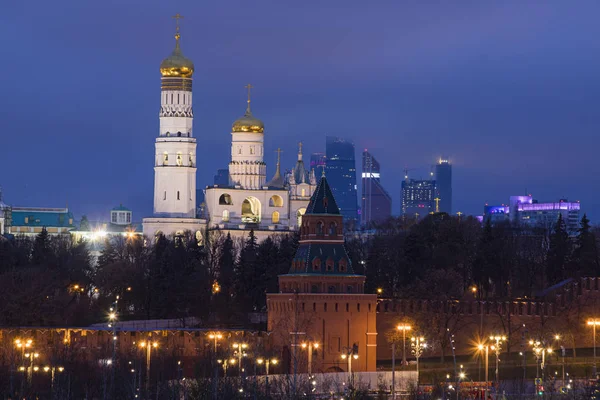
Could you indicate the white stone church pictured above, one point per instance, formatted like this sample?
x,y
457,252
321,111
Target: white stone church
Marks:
x,y
249,202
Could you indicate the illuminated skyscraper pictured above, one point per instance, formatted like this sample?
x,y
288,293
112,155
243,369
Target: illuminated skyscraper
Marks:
x,y
443,178
340,170
418,197
376,202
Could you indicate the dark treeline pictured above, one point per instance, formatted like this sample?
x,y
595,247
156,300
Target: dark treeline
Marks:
x,y
443,257
52,281
49,280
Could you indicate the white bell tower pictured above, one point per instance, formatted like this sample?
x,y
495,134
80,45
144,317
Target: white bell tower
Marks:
x,y
175,156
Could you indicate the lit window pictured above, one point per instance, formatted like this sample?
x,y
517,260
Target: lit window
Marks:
x,y
166,156
275,217
225,216
179,160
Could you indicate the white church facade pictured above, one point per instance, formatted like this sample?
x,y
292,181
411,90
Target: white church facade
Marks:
x,y
248,202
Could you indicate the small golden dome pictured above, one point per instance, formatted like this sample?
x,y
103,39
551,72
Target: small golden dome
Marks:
x,y
176,65
248,123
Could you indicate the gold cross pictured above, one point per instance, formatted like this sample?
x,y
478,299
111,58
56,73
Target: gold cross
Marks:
x,y
437,204
278,154
177,18
249,87
300,147
459,214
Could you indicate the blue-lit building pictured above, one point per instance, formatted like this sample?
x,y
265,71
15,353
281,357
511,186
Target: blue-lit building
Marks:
x,y
418,198
443,180
31,220
340,169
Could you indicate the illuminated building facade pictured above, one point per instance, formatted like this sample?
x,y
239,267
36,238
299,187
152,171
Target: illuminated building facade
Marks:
x,y
528,212
443,180
340,169
418,198
376,203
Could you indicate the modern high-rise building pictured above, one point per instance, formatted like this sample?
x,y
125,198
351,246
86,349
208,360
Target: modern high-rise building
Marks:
x,y
222,177
443,178
317,162
376,202
341,174
418,197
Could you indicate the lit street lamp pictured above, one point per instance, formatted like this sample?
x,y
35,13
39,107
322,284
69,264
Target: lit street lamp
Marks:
x,y
562,348
240,350
593,323
349,356
418,346
148,346
225,364
310,346
540,350
486,347
497,347
402,328
215,336
267,361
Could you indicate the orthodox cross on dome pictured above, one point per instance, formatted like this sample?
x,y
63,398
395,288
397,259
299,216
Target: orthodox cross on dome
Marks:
x,y
249,87
177,18
278,151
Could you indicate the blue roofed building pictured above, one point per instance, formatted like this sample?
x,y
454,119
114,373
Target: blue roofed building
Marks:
x,y
31,220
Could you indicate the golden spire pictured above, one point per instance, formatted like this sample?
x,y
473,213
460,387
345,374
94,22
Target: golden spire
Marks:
x,y
249,87
177,35
299,151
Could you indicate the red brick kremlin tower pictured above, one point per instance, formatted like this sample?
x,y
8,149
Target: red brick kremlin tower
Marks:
x,y
322,300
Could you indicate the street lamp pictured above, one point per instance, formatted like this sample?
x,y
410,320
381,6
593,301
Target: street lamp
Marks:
x,y
593,323
267,361
225,364
215,336
497,347
562,348
349,356
310,346
240,349
418,346
540,350
403,328
486,347
149,345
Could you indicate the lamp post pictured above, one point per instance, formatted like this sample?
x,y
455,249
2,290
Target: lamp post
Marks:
x,y
349,355
215,337
486,347
403,328
562,348
240,350
225,364
310,346
31,357
267,361
418,346
540,350
52,371
148,346
497,347
593,323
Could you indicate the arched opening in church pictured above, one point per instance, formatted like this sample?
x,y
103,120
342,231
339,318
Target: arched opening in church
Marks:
x,y
275,217
165,158
251,210
225,216
179,159
276,201
225,200
299,215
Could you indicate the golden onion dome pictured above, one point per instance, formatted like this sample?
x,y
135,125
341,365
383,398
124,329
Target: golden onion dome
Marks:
x,y
176,65
248,123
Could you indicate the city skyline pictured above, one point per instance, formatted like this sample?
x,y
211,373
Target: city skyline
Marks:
x,y
99,123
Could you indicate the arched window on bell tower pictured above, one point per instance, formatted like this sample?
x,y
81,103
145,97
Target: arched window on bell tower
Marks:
x,y
165,158
179,159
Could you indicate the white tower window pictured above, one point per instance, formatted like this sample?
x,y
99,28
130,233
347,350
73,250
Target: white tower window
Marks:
x,y
225,216
178,195
179,160
191,161
165,195
165,158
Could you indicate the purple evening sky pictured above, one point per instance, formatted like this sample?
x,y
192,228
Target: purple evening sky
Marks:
x,y
508,90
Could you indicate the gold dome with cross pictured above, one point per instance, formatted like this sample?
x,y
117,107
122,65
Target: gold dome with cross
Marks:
x,y
248,123
177,65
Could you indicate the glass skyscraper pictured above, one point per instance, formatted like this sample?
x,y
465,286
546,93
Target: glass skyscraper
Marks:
x,y
376,202
443,178
418,197
340,170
